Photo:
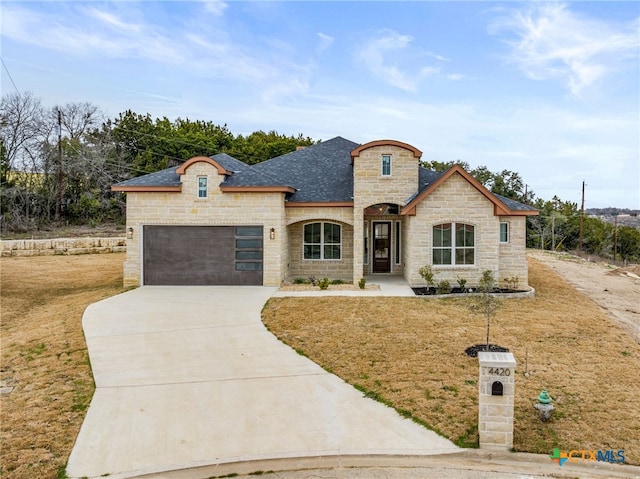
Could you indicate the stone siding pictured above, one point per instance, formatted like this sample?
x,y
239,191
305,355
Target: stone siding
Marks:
x,y
370,188
457,201
218,209
332,269
62,246
513,258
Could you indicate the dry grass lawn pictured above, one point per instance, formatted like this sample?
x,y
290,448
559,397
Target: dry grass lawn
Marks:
x,y
410,353
44,356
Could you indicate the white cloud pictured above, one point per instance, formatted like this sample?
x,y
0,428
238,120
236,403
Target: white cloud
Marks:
x,y
325,42
77,33
550,41
377,54
112,20
216,7
455,76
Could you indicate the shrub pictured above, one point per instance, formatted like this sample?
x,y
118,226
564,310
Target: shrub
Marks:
x,y
512,283
313,280
427,274
444,287
323,283
362,283
336,281
462,282
301,281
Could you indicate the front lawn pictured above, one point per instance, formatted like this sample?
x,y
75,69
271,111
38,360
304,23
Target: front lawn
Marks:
x,y
409,352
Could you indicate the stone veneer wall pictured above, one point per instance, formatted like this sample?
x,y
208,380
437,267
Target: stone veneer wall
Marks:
x,y
370,188
219,209
63,246
332,269
471,207
513,258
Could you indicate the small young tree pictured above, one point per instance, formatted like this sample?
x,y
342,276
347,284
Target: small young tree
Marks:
x,y
486,303
428,275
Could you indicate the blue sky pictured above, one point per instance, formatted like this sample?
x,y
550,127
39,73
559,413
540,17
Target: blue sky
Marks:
x,y
550,90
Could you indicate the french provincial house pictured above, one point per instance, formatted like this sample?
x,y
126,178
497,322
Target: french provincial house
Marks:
x,y
336,209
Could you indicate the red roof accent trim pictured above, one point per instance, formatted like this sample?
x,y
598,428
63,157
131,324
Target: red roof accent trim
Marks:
x,y
196,159
310,204
416,153
258,189
149,189
499,208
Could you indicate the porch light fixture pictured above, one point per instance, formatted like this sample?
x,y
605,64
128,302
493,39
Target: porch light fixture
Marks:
x,y
272,233
129,232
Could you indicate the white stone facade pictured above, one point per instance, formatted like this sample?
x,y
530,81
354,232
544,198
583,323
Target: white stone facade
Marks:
x,y
455,199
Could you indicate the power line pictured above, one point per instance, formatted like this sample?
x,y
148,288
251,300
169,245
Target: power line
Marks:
x,y
10,77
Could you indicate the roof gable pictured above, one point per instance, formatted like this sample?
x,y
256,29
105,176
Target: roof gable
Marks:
x,y
501,208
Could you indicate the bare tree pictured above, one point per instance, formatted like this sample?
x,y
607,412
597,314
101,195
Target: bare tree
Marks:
x,y
22,128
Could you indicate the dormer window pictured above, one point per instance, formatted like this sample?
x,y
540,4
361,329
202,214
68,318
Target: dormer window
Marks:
x,y
386,165
202,186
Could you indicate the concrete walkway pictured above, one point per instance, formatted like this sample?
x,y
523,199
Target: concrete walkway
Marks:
x,y
189,377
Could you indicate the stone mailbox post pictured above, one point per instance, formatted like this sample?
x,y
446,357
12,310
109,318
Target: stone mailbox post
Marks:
x,y
495,405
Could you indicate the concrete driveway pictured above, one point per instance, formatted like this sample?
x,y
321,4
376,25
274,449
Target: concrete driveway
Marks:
x,y
188,377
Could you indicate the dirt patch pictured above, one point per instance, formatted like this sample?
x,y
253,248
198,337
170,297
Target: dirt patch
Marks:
x,y
615,290
409,352
44,356
332,287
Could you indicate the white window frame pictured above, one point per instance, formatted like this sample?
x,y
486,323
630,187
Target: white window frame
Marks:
x,y
203,188
453,247
507,232
382,165
322,242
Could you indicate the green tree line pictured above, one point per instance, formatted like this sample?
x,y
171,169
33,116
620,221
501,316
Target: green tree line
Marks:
x,y
93,152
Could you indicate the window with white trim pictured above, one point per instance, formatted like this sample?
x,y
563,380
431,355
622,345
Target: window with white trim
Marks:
x,y
386,165
322,241
504,232
202,186
453,244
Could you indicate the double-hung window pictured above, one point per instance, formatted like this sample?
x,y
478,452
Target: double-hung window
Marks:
x,y
322,241
202,186
386,165
504,232
453,244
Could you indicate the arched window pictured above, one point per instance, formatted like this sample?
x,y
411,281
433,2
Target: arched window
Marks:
x,y
322,241
453,244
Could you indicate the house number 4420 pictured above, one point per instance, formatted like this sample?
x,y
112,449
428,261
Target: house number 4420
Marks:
x,y
500,371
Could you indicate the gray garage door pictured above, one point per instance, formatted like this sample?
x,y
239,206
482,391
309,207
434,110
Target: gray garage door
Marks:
x,y
202,255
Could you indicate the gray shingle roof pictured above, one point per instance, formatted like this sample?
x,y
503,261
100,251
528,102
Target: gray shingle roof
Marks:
x,y
513,204
230,163
167,177
320,172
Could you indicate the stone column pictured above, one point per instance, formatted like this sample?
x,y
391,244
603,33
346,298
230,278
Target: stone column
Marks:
x,y
495,405
358,243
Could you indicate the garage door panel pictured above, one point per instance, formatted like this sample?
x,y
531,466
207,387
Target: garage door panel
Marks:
x,y
201,255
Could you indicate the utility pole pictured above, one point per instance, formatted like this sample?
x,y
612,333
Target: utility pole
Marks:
x,y
581,220
615,235
59,172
